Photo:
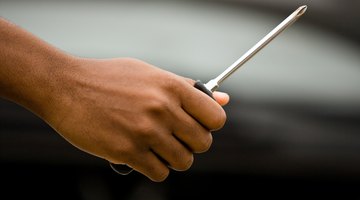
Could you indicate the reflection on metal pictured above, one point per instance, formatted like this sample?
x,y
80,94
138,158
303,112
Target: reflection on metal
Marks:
x,y
213,84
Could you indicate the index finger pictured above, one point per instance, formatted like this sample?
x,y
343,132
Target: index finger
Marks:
x,y
202,107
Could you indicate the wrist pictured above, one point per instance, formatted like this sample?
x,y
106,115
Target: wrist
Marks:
x,y
52,86
42,90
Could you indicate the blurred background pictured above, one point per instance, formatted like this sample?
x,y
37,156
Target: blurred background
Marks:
x,y
293,120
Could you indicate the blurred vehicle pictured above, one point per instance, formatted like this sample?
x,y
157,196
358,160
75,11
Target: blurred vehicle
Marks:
x,y
293,118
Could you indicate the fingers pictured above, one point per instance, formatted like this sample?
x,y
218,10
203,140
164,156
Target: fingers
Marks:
x,y
181,131
203,108
173,153
197,138
151,166
166,153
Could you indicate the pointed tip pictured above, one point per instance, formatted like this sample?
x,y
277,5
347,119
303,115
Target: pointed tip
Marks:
x,y
301,10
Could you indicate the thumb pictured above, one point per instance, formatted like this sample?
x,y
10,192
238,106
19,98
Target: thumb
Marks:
x,y
221,97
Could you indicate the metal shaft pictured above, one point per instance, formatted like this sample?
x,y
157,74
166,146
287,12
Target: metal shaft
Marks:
x,y
213,84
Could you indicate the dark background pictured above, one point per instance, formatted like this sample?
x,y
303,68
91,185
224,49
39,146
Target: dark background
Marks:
x,y
282,148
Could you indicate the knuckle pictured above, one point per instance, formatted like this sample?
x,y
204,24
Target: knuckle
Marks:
x,y
145,129
159,106
174,84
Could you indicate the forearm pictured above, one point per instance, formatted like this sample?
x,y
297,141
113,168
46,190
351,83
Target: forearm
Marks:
x,y
28,67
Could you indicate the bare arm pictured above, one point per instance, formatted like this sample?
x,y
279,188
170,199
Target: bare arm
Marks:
x,y
122,110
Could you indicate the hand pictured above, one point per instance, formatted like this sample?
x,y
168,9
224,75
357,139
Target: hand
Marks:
x,y
129,112
123,110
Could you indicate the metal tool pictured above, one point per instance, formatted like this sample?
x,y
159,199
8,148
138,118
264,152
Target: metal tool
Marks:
x,y
213,84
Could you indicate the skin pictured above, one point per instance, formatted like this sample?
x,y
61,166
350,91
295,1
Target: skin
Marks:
x,y
123,110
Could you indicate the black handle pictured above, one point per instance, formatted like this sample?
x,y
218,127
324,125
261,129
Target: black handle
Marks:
x,y
199,85
124,169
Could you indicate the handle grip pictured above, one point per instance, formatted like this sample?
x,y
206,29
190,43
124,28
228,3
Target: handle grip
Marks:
x,y
200,86
124,169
